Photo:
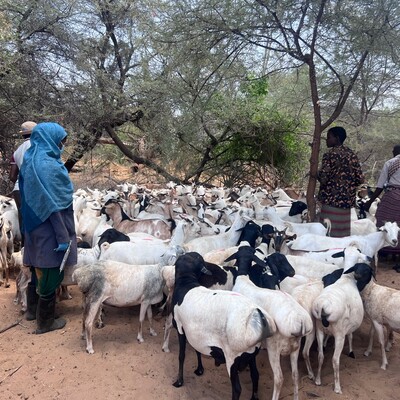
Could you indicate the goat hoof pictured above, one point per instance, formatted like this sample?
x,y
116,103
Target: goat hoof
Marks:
x,y
351,355
178,383
90,351
199,371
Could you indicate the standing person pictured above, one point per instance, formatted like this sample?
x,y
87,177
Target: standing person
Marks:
x,y
339,176
16,161
47,215
389,206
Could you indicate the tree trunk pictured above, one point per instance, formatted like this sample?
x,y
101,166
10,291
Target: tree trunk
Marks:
x,y
316,143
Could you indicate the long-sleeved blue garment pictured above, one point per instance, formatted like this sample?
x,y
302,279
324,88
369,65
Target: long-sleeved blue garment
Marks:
x,y
44,182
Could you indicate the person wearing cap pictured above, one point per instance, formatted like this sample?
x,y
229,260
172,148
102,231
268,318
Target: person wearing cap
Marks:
x,y
16,162
339,177
48,218
17,157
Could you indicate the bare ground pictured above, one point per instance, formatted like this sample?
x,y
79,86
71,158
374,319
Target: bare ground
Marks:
x,y
56,366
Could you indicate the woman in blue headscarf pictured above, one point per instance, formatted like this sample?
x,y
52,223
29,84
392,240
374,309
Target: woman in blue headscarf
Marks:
x,y
48,219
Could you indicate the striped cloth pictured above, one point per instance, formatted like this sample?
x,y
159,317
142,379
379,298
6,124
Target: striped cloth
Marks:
x,y
340,220
393,168
389,210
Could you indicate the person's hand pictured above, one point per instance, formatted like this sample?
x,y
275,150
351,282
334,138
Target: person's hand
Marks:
x,y
62,247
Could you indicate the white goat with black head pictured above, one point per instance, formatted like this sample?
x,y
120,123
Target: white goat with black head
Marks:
x,y
224,325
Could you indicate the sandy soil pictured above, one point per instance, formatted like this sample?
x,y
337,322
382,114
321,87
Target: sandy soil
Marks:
x,y
56,366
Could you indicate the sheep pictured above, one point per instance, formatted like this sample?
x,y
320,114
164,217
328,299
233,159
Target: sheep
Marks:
x,y
120,285
201,314
292,322
370,244
381,304
339,311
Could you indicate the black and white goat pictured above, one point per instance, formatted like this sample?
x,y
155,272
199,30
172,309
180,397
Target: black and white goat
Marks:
x,y
224,325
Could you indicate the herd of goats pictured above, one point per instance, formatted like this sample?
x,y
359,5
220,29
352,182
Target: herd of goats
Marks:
x,y
234,270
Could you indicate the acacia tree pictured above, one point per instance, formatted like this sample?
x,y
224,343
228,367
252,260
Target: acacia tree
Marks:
x,y
333,39
151,70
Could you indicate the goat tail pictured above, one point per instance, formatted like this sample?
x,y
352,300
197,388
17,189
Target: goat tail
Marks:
x,y
324,318
328,225
86,277
263,320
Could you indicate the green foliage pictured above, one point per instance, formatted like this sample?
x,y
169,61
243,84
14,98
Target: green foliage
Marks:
x,y
259,134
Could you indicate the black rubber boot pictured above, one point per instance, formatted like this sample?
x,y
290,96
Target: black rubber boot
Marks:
x,y
32,301
45,315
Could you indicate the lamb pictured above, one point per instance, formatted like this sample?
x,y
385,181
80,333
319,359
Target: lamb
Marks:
x,y
339,311
381,304
200,315
120,285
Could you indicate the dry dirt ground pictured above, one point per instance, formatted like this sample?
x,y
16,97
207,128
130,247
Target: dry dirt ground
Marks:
x,y
56,366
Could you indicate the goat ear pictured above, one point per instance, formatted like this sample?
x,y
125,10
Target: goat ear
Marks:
x,y
274,270
348,271
232,257
205,271
338,255
259,262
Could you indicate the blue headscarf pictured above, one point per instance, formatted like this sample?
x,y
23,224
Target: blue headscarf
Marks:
x,y
44,182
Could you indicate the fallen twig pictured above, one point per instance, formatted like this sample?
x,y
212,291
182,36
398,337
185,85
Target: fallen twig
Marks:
x,y
10,374
10,326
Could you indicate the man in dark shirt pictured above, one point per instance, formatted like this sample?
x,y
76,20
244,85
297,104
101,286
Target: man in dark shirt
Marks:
x,y
339,176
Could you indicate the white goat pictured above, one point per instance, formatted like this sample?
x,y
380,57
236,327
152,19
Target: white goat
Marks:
x,y
382,305
148,251
292,322
315,228
370,244
205,244
201,315
339,311
120,285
